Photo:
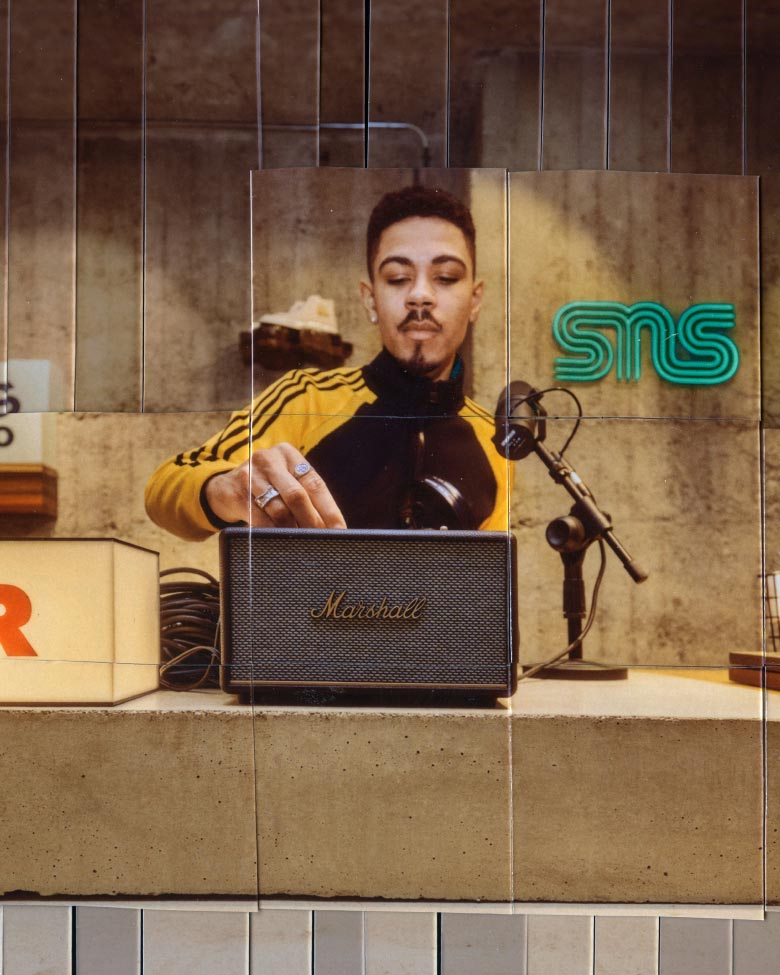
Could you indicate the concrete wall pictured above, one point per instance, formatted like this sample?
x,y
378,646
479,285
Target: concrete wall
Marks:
x,y
103,461
162,248
691,520
134,277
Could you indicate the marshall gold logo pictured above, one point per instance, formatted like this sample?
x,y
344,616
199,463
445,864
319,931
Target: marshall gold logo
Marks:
x,y
336,608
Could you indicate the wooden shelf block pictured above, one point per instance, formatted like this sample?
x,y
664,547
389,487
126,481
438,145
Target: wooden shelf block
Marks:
x,y
28,489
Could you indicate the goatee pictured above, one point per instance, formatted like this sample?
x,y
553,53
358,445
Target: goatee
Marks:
x,y
417,365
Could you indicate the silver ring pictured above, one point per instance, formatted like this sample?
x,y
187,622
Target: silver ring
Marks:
x,y
300,469
261,500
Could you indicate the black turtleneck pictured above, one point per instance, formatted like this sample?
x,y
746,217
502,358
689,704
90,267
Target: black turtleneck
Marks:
x,y
375,463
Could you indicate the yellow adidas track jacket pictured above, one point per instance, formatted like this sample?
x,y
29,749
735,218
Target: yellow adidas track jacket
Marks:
x,y
374,434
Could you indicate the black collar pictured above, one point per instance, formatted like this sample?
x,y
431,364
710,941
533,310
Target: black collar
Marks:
x,y
408,395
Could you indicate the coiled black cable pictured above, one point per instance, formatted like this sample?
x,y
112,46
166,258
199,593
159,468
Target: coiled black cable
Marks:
x,y
189,631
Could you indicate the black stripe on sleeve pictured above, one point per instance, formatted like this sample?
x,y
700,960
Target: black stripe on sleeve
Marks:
x,y
355,384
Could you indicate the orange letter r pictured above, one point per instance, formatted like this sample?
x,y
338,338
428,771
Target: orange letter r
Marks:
x,y
18,610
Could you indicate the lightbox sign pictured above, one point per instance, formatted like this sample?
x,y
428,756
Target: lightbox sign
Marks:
x,y
600,335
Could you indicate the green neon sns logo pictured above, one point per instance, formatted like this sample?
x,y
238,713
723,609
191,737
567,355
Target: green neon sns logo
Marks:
x,y
694,352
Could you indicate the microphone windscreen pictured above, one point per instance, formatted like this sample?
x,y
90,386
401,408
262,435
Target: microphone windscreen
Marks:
x,y
518,426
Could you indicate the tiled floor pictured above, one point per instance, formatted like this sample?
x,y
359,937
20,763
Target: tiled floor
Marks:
x,y
64,940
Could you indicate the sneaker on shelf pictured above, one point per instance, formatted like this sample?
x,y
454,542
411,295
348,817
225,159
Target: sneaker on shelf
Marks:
x,y
315,313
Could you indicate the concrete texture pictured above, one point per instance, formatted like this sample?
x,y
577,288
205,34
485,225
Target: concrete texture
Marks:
x,y
289,63
395,804
494,64
409,804
109,202
622,794
772,798
672,498
197,282
342,67
104,461
770,299
41,189
628,237
410,90
216,82
131,800
639,88
706,131
200,106
574,129
772,498
201,143
712,846
685,501
109,292
41,251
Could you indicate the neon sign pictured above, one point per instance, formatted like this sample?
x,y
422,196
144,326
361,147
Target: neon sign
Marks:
x,y
693,352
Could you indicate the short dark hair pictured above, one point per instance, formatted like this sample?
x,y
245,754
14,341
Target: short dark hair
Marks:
x,y
418,201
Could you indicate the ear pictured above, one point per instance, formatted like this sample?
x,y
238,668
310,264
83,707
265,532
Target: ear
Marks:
x,y
367,297
476,301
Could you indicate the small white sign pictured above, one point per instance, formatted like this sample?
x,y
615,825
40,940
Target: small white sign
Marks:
x,y
26,429
27,386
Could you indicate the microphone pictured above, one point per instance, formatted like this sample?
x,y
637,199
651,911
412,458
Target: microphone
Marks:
x,y
520,430
519,420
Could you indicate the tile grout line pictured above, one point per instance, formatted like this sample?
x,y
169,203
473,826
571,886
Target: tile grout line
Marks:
x,y
366,79
669,84
144,51
608,84
447,126
75,209
542,51
743,82
7,189
72,934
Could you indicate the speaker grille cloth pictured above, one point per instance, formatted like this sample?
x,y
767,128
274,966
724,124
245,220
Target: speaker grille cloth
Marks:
x,y
462,637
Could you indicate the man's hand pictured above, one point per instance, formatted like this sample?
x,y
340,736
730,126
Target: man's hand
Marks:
x,y
303,500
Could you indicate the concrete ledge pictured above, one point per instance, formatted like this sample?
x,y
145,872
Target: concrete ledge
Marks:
x,y
140,799
397,804
646,791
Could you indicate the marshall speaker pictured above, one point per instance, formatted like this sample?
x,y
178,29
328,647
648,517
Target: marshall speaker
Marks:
x,y
368,610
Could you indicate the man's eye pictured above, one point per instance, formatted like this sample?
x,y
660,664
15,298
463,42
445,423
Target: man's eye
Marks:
x,y
447,279
401,280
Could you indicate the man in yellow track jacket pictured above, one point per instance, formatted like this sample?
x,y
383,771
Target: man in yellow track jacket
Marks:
x,y
393,444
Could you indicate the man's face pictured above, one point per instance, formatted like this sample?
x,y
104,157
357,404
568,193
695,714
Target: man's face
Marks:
x,y
423,295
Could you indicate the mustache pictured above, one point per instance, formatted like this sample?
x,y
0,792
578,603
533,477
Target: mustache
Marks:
x,y
415,318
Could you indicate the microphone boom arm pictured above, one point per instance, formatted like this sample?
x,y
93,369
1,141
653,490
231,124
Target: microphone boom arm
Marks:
x,y
597,524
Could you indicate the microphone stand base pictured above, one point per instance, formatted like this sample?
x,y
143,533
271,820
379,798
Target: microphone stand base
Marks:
x,y
581,670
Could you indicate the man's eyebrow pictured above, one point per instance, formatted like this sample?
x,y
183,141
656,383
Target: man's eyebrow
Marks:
x,y
441,259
